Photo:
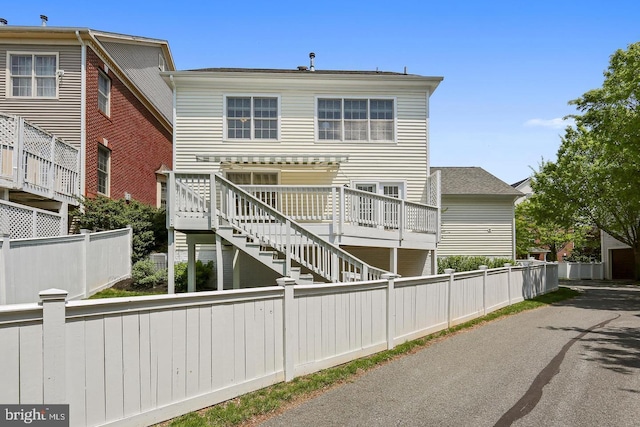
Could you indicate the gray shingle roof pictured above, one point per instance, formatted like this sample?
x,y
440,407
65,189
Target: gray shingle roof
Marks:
x,y
473,181
140,63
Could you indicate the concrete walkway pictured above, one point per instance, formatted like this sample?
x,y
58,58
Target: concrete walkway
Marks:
x,y
573,364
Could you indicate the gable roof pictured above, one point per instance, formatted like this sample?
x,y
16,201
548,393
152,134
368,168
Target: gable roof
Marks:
x,y
522,181
473,181
135,58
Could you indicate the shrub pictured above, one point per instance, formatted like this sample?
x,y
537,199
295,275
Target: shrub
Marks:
x,y
145,274
469,263
147,222
203,273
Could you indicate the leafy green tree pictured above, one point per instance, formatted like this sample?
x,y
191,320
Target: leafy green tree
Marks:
x,y
536,226
594,180
147,222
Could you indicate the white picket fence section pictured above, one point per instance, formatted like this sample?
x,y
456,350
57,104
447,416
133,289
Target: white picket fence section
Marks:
x,y
82,264
581,270
138,361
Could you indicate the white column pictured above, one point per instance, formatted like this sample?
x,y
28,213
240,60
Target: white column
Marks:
x,y
191,264
393,260
219,264
171,256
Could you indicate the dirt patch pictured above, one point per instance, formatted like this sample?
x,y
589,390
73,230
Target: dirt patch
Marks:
x,y
130,285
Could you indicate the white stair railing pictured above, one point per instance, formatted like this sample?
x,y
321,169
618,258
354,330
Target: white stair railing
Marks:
x,y
264,223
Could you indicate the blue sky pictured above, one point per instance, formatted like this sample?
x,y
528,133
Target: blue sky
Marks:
x,y
509,67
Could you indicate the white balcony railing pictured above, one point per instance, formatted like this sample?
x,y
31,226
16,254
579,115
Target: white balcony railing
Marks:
x,y
35,161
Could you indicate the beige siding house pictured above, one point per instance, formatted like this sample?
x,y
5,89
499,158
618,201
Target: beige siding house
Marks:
x,y
340,156
477,214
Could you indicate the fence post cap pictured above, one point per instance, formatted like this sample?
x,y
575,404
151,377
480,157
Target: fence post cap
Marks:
x,y
85,231
483,267
286,281
390,276
449,270
507,264
53,294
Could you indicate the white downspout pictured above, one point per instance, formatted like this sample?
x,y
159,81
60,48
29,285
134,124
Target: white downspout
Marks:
x,y
83,115
171,255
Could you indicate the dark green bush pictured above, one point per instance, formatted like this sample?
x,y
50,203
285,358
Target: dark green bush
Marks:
x,y
203,273
147,222
145,274
469,263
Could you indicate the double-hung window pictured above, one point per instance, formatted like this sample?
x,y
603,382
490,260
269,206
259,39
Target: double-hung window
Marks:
x,y
33,75
104,166
252,117
104,93
355,119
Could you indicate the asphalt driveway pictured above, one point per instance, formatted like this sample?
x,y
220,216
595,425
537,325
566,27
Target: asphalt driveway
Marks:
x,y
572,364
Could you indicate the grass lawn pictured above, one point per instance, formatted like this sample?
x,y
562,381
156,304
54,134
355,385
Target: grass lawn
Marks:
x,y
115,293
266,401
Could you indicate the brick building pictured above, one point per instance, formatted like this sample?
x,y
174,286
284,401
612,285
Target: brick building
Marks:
x,y
99,93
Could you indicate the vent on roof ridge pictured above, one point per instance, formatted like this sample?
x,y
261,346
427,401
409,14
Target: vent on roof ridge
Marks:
x,y
302,68
44,19
3,22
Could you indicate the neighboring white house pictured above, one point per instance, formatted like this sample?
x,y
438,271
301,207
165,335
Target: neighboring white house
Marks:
x,y
477,213
303,172
524,187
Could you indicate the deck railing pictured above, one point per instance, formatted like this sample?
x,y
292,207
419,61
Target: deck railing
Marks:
x,y
37,162
342,205
195,196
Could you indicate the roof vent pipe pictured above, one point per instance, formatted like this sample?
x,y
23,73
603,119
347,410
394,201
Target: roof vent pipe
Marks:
x,y
311,58
44,20
3,22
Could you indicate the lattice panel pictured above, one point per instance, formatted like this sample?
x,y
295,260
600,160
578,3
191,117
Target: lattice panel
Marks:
x,y
66,156
37,141
434,189
7,143
20,222
8,130
47,225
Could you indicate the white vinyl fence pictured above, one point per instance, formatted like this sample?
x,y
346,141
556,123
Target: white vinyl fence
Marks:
x,y
581,270
82,264
138,361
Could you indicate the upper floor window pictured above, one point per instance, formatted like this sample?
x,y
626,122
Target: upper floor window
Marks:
x,y
355,119
104,93
33,75
252,117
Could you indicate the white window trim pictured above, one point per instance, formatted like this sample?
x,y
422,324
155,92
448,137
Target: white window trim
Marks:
x,y
379,185
106,75
355,141
225,137
9,81
162,63
108,184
